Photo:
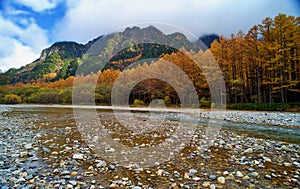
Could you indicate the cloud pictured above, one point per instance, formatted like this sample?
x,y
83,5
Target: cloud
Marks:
x,y
40,5
20,45
86,19
19,56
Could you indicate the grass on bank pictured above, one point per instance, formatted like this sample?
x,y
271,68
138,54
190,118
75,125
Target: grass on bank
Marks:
x,y
291,107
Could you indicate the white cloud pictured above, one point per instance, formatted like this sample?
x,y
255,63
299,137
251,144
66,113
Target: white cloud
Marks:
x,y
40,5
19,56
86,19
19,45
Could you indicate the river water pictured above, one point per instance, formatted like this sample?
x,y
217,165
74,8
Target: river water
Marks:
x,y
65,114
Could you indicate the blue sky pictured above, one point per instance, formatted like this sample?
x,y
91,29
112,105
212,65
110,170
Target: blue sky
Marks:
x,y
29,26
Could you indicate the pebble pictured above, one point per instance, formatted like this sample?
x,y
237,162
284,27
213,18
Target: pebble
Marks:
x,y
113,185
74,183
74,174
192,172
206,184
239,174
221,180
65,172
160,172
101,164
78,156
268,177
212,177
249,150
28,146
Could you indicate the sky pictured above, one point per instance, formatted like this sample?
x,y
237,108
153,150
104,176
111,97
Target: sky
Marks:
x,y
29,26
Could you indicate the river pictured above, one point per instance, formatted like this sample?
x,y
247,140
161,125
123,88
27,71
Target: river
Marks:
x,y
68,149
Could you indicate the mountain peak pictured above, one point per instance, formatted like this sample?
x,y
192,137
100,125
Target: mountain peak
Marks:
x,y
66,49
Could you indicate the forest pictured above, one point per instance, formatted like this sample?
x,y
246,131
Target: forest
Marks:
x,y
261,68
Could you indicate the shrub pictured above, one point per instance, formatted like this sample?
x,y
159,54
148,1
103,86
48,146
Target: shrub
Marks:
x,y
205,102
260,106
11,99
138,102
167,100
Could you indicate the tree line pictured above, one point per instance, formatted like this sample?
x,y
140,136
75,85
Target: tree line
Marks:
x,y
263,64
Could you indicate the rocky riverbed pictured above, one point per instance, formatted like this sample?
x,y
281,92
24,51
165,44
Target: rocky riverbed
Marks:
x,y
43,148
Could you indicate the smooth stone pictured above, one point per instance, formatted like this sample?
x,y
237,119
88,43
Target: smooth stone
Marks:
x,y
78,156
28,146
24,153
46,150
113,185
35,159
68,128
273,175
254,174
101,164
16,155
248,151
74,174
160,172
74,183
91,168
24,174
136,187
256,162
29,177
268,177
111,150
267,159
251,169
212,186
111,167
285,148
206,184
212,177
65,172
21,179
221,180
192,172
196,178
239,174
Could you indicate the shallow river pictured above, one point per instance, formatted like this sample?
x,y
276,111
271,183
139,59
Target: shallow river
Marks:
x,y
69,153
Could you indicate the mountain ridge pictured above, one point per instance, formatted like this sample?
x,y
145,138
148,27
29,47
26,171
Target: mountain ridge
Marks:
x,y
62,58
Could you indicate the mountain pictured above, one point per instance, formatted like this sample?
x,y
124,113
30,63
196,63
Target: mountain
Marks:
x,y
117,51
64,50
208,39
52,63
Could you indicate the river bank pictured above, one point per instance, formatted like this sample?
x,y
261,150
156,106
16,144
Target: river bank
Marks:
x,y
41,147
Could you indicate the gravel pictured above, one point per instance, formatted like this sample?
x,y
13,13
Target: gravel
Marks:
x,y
37,151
